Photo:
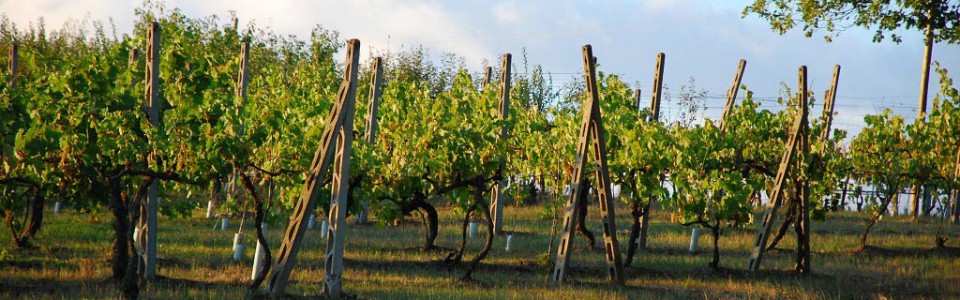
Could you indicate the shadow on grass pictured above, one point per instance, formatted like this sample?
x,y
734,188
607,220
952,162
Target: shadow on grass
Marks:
x,y
873,251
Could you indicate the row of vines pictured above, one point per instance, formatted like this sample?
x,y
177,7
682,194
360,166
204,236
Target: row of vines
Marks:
x,y
74,129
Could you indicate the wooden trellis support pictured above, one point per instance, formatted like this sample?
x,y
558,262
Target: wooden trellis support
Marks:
x,y
636,97
148,221
657,84
828,103
654,117
13,63
487,74
339,129
955,214
795,143
496,204
370,133
591,136
732,93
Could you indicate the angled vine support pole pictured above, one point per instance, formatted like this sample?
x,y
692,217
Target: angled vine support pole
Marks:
x,y
657,82
487,74
829,103
955,214
802,224
13,63
338,129
776,196
636,97
496,207
654,117
591,136
244,77
732,93
370,133
149,221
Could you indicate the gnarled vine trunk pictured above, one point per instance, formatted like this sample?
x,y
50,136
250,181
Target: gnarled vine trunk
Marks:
x,y
582,215
715,230
433,220
637,213
36,214
485,209
121,227
876,217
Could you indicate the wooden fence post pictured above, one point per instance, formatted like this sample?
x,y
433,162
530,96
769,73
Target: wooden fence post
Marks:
x,y
370,134
338,125
153,104
496,207
591,136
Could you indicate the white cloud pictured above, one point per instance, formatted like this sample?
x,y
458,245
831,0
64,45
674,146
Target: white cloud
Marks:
x,y
507,12
701,38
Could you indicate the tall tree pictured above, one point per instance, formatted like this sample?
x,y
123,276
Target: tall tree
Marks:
x,y
937,19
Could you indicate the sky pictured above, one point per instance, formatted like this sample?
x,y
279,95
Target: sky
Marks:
x,y
702,39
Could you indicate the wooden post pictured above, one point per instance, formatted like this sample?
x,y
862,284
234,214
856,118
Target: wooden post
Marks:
x,y
802,224
336,236
637,99
915,189
339,123
370,134
654,117
496,207
763,234
374,103
13,64
243,77
131,61
658,81
955,214
732,93
149,220
487,73
828,104
591,136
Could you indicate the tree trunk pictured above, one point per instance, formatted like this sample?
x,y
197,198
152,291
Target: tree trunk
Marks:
x,y
715,230
489,243
955,214
36,214
843,195
582,216
258,223
876,217
121,228
784,227
432,220
456,256
915,201
644,225
636,213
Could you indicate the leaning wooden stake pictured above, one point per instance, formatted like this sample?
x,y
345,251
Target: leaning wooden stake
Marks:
x,y
790,149
370,134
636,98
732,93
496,207
803,219
654,117
829,102
339,129
591,136
487,74
658,81
13,63
149,220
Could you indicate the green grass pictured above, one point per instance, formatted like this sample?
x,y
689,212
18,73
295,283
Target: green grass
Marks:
x,y
71,262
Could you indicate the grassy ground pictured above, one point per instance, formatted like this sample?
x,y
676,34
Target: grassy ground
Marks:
x,y
383,262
